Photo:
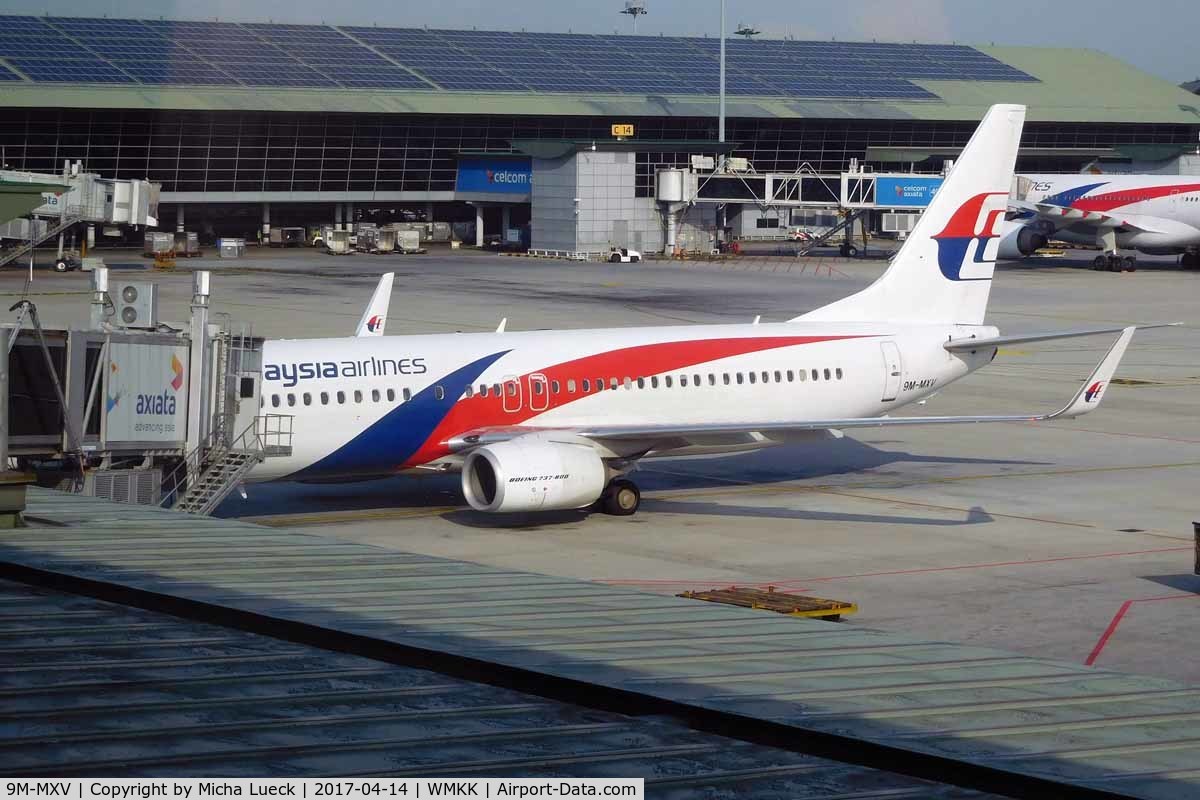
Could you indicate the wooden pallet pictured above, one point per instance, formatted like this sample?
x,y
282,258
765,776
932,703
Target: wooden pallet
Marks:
x,y
796,605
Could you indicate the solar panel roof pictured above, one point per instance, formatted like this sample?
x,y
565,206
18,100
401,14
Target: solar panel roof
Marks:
x,y
175,52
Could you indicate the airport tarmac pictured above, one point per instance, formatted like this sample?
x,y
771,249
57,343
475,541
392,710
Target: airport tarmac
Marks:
x,y
1070,540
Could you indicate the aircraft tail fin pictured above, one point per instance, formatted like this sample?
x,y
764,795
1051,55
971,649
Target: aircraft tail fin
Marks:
x,y
943,272
374,319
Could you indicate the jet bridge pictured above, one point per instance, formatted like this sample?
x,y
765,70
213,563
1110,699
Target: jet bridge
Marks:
x,y
70,200
133,409
778,205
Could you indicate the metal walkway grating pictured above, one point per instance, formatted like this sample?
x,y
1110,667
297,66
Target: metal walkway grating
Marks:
x,y
976,716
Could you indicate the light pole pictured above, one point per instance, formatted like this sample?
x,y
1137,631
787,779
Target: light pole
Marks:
x,y
635,9
721,130
721,110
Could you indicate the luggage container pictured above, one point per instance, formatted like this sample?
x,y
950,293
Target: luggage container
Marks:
x,y
338,243
187,244
365,239
408,242
287,237
158,243
385,241
231,248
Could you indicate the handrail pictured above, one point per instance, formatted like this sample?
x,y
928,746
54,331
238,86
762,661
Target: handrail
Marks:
x,y
13,252
267,434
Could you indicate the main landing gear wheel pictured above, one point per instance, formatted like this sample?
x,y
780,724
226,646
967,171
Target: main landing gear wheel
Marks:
x,y
1115,263
621,499
1189,260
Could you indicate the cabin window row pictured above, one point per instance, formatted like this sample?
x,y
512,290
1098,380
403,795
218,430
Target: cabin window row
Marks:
x,y
591,385
340,398
584,385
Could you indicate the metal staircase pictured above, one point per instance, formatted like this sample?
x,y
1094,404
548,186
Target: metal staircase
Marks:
x,y
209,473
826,235
13,252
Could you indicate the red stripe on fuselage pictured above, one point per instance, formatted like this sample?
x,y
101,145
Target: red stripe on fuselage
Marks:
x,y
1107,201
477,412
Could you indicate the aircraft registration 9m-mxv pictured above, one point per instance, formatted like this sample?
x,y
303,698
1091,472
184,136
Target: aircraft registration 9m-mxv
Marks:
x,y
547,420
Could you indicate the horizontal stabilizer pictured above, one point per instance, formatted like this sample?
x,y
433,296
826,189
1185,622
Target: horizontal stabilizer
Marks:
x,y
964,345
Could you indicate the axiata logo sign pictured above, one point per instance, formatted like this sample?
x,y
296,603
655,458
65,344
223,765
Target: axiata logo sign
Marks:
x,y
495,175
907,192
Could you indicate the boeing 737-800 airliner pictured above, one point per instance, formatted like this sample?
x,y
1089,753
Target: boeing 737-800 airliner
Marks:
x,y
547,420
1153,214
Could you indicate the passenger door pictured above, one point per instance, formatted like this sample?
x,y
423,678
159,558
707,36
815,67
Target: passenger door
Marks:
x,y
512,393
893,370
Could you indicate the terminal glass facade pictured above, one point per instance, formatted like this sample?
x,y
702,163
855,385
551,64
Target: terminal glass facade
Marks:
x,y
308,151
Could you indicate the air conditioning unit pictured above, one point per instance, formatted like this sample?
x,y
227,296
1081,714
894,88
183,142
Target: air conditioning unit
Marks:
x,y
136,486
136,305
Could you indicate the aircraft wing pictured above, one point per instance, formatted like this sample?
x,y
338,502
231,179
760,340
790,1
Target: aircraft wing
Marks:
x,y
1065,216
1086,399
374,318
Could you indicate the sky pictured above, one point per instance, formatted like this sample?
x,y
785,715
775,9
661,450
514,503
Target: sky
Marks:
x,y
1158,36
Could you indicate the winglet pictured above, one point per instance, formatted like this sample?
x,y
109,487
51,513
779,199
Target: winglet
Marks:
x,y
503,324
375,317
1092,392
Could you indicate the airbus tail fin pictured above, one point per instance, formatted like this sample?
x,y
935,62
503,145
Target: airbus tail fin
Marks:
x,y
943,272
375,317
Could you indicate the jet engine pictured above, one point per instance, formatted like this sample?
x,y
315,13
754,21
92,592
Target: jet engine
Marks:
x,y
533,473
1018,239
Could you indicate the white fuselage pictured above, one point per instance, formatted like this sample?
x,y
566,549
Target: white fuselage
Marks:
x,y
1164,211
377,406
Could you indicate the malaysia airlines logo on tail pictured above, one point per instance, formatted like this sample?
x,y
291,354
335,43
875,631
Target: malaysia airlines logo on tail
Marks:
x,y
968,233
374,323
1092,395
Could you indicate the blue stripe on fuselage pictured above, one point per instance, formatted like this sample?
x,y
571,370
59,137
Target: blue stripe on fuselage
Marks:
x,y
1067,197
390,441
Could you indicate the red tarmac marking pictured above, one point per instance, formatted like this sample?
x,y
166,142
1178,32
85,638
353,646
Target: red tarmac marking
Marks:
x,y
1120,615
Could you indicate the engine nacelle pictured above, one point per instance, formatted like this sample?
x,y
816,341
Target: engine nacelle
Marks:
x,y
1018,239
533,473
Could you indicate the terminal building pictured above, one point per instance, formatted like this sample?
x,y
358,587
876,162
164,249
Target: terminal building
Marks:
x,y
563,137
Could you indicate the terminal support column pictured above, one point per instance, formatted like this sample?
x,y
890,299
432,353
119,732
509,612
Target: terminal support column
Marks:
x,y
179,220
198,372
505,220
337,216
350,217
266,220
479,224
